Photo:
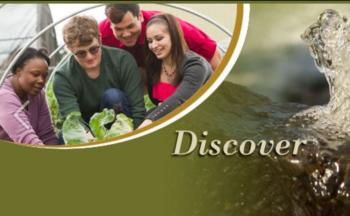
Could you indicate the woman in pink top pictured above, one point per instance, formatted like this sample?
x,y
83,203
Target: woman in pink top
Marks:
x,y
174,72
24,115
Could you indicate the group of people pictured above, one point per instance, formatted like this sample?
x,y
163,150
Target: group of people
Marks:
x,y
112,65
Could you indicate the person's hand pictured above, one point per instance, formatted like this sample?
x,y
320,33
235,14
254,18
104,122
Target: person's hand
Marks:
x,y
89,135
145,123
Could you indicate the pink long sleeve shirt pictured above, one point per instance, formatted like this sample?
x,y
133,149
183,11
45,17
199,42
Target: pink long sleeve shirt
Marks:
x,y
31,124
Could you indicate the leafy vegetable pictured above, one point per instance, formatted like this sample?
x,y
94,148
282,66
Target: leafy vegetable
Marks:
x,y
73,131
148,102
121,126
99,120
53,106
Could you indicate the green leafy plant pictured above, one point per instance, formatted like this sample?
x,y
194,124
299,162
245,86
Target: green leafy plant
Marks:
x,y
53,106
148,102
99,120
73,130
121,126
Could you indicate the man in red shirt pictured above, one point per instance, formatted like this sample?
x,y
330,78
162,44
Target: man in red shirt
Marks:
x,y
125,28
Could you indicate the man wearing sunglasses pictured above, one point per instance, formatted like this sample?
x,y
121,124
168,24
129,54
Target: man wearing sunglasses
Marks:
x,y
95,77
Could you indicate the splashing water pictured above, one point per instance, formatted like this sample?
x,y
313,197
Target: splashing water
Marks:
x,y
329,42
328,162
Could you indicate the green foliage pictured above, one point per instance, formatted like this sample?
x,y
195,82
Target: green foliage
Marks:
x,y
121,126
73,131
99,120
148,103
53,106
54,110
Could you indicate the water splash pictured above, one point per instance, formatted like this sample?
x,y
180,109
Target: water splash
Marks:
x,y
329,42
327,163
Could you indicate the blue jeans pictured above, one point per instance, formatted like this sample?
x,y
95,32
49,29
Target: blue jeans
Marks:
x,y
115,99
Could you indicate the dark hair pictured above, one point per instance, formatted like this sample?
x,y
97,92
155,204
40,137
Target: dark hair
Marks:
x,y
177,51
116,12
30,53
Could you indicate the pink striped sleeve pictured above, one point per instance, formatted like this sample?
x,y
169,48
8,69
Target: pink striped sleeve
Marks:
x,y
15,121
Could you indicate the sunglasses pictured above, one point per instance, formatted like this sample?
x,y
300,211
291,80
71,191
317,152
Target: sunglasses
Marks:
x,y
83,53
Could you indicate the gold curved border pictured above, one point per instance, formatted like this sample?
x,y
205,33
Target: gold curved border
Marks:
x,y
192,99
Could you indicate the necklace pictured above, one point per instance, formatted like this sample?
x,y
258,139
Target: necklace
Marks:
x,y
170,73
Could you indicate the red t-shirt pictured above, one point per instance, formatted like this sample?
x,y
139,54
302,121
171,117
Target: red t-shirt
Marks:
x,y
196,39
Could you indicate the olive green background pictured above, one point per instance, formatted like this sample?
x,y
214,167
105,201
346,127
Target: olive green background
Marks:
x,y
138,177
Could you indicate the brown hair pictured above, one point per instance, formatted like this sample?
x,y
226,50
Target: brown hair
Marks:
x,y
177,52
116,12
81,29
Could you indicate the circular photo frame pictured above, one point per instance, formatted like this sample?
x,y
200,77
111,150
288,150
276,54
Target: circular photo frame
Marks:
x,y
231,50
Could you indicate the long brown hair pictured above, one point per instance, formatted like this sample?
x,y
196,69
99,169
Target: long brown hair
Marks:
x,y
177,52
